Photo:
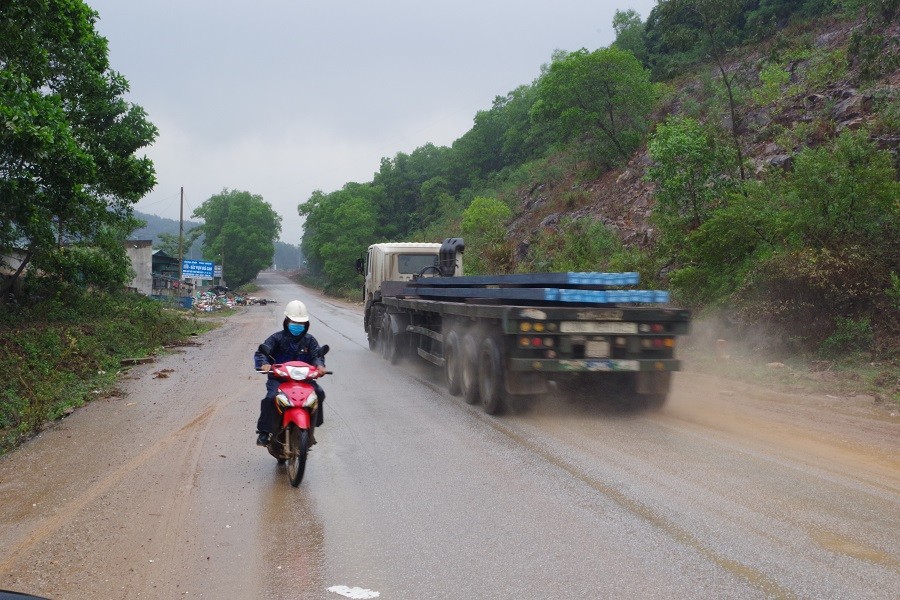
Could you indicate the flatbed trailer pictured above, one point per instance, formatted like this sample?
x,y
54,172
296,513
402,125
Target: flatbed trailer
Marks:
x,y
501,337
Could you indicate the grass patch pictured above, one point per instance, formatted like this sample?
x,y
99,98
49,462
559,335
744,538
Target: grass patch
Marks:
x,y
248,288
59,353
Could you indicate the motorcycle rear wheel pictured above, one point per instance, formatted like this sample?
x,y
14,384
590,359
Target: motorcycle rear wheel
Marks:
x,y
298,447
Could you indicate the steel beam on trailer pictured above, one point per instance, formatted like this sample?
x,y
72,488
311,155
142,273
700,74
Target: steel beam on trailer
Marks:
x,y
535,294
578,280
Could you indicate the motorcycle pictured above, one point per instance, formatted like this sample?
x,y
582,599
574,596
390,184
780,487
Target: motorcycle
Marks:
x,y
296,402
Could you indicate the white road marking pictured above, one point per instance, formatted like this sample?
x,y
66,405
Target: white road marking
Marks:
x,y
356,593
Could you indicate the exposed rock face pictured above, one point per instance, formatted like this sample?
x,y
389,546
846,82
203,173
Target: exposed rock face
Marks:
x,y
623,199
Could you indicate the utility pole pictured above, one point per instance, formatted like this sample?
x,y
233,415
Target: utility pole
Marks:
x,y
181,237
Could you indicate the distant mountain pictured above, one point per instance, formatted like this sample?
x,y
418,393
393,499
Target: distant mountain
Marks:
x,y
156,225
287,256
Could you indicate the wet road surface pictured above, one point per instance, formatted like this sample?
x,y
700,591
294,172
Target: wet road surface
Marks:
x,y
728,492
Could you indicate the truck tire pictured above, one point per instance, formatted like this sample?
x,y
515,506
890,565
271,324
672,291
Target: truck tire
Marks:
x,y
384,335
491,377
654,401
390,343
469,368
371,331
453,363
651,393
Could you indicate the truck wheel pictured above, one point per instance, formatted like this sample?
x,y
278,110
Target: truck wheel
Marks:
x,y
384,337
373,339
390,343
369,325
491,374
452,363
469,367
646,391
654,401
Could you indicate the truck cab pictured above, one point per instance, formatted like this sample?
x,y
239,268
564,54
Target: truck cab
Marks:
x,y
403,261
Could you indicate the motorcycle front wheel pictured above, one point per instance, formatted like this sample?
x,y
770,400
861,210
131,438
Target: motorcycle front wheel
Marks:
x,y
298,446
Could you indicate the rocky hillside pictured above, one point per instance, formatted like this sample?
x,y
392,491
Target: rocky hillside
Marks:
x,y
809,112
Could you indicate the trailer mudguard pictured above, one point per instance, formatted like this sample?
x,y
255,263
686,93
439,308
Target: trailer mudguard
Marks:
x,y
398,322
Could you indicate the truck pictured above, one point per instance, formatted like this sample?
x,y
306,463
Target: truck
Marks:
x,y
501,339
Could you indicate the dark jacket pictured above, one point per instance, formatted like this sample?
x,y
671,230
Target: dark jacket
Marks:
x,y
286,347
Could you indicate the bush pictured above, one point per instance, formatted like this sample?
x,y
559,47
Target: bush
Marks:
x,y
808,295
849,335
484,229
580,245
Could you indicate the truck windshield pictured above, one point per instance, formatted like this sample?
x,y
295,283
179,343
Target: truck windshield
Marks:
x,y
409,264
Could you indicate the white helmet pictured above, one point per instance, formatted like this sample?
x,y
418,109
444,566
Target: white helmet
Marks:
x,y
296,312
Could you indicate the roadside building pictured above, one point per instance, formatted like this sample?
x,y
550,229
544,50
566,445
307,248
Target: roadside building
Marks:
x,y
167,283
140,253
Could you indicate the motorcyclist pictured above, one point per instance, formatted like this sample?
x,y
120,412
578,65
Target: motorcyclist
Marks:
x,y
293,342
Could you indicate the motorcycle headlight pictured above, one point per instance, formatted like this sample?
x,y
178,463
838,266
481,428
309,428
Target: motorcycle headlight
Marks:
x,y
310,400
283,401
298,373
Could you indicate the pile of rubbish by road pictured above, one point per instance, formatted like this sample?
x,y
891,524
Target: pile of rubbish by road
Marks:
x,y
211,301
219,298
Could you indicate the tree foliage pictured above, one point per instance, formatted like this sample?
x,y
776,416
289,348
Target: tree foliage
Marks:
x,y
601,99
579,244
339,227
834,223
691,169
68,138
240,231
630,33
170,244
680,33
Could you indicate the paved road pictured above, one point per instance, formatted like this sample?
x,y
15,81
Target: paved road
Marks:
x,y
729,492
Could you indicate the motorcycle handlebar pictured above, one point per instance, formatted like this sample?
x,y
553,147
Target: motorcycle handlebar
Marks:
x,y
261,372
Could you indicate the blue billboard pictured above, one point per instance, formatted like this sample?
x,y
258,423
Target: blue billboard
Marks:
x,y
198,269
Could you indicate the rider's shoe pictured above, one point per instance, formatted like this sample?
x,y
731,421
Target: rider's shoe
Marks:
x,y
263,439
312,439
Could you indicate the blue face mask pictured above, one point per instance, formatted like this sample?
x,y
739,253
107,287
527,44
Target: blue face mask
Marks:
x,y
297,328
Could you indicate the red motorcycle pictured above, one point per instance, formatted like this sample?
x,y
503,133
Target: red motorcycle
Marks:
x,y
296,401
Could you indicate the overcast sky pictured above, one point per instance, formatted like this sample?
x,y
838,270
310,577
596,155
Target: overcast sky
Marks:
x,y
284,97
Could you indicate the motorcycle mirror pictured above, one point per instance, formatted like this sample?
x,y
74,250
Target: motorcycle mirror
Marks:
x,y
324,350
264,350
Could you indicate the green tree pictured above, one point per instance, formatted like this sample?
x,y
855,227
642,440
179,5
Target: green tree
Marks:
x,y
399,181
630,33
68,170
501,137
169,242
601,99
721,23
691,171
338,228
241,229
